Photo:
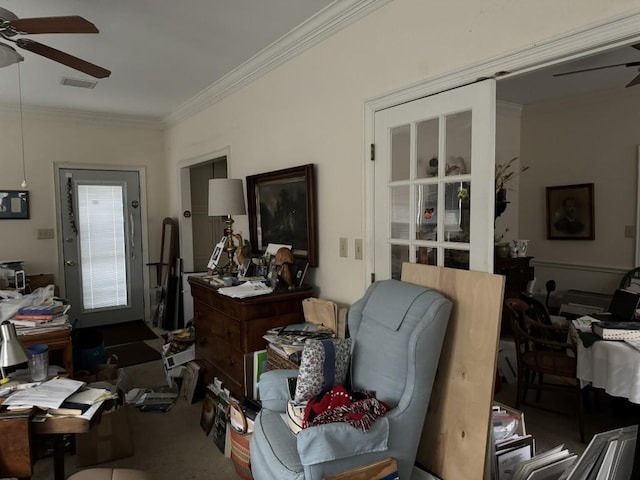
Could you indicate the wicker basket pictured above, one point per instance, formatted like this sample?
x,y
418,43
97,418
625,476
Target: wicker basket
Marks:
x,y
275,361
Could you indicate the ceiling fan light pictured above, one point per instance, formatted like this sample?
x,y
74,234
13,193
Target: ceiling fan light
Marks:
x,y
8,56
7,15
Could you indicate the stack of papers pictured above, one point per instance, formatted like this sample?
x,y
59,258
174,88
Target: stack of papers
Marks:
x,y
49,394
247,289
59,396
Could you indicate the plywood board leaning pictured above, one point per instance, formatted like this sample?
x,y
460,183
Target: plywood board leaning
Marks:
x,y
456,429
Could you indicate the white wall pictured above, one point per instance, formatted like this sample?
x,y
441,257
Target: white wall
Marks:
x,y
59,138
310,110
587,139
508,147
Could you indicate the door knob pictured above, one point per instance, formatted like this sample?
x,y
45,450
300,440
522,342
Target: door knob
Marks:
x,y
70,263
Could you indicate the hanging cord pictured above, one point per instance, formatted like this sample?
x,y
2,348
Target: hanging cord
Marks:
x,y
24,174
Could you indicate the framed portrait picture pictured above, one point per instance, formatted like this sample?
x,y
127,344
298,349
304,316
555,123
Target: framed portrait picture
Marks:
x,y
282,210
14,204
570,212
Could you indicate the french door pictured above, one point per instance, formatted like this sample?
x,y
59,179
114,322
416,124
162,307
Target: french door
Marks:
x,y
434,181
102,245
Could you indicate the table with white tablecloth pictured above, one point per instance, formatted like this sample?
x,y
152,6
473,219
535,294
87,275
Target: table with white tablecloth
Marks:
x,y
611,365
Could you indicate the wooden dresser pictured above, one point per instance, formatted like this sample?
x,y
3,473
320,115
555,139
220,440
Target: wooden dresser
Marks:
x,y
228,328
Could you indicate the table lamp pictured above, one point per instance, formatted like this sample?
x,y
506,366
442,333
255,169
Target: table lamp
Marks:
x,y
226,198
11,351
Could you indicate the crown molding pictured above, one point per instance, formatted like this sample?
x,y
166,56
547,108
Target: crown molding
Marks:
x,y
84,116
610,33
325,23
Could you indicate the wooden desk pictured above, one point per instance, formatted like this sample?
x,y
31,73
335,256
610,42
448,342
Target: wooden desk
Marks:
x,y
16,452
15,447
60,346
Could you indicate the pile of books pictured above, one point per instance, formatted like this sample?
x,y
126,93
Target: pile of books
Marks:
x,y
41,318
157,399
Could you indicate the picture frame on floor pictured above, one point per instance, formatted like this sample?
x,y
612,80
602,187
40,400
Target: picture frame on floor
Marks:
x,y
207,417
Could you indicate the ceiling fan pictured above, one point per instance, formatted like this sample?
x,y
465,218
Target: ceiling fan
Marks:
x,y
11,26
635,81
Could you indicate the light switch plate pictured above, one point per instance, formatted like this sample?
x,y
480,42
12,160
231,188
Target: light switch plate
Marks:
x,y
45,233
358,249
344,248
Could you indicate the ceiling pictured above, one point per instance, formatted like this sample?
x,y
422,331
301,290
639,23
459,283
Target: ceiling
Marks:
x,y
163,53
542,85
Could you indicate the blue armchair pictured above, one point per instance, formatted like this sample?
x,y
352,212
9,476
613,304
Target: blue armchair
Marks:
x,y
397,332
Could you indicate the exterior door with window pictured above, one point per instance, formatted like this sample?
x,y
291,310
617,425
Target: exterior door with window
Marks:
x,y
102,245
434,181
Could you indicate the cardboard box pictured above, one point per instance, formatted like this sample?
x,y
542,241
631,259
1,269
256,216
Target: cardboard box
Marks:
x,y
185,356
108,440
172,373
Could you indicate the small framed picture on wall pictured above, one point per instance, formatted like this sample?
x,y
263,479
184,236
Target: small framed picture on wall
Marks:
x,y
570,212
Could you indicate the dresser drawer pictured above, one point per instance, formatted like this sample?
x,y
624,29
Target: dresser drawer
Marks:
x,y
210,323
228,360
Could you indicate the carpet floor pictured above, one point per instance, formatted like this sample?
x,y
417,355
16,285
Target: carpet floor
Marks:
x,y
133,353
126,332
167,446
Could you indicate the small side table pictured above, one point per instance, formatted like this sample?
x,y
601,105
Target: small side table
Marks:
x,y
60,344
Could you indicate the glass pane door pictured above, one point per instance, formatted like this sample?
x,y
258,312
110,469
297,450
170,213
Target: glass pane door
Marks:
x,y
431,154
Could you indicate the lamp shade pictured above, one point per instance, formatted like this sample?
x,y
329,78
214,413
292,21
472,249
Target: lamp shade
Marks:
x,y
11,352
226,197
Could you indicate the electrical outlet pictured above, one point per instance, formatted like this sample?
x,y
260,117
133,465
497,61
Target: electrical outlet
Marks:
x,y
45,233
628,231
344,249
358,249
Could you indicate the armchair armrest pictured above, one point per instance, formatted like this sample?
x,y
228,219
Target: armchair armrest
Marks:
x,y
274,389
324,443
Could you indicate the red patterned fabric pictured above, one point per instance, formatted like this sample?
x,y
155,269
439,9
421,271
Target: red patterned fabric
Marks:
x,y
337,405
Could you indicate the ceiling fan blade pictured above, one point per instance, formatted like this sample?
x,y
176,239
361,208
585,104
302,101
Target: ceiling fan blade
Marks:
x,y
63,58
68,24
630,64
588,69
635,81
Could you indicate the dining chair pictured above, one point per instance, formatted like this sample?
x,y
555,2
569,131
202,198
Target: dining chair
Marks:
x,y
543,362
633,274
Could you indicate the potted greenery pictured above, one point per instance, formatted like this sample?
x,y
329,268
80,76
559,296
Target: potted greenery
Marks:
x,y
504,174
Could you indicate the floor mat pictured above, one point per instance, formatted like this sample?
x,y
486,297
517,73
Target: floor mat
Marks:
x,y
133,353
127,332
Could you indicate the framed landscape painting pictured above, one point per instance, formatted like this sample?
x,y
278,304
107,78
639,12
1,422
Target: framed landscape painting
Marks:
x,y
282,207
570,212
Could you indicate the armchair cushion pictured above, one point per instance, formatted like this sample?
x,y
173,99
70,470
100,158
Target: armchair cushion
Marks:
x,y
324,364
391,307
324,443
274,389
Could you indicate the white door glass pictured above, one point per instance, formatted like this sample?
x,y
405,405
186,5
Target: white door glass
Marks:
x,y
430,155
101,226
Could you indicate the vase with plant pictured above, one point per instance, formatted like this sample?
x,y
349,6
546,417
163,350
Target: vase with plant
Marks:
x,y
501,248
505,173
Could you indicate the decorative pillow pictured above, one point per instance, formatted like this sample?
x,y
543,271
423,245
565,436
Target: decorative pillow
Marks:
x,y
324,364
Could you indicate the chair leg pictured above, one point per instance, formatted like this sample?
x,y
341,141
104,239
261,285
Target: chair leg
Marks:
x,y
580,412
539,392
520,389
